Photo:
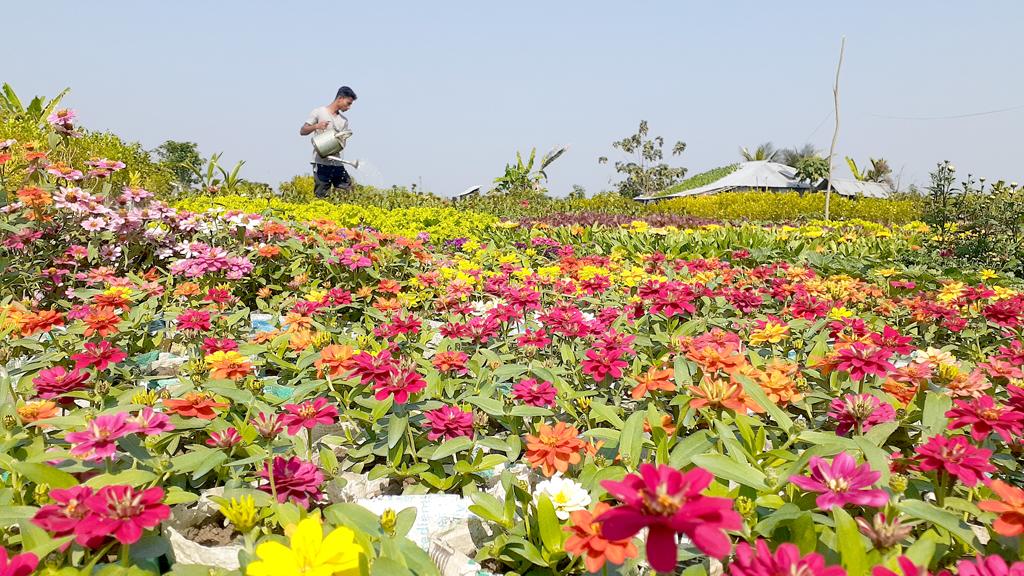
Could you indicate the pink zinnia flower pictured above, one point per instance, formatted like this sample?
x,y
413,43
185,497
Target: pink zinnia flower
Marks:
x,y
600,362
449,422
400,383
211,345
842,482
268,426
20,565
668,502
535,393
786,560
371,368
197,320
989,566
57,381
907,567
98,355
294,479
226,439
955,456
891,338
99,439
860,412
68,509
537,339
150,422
122,512
308,415
861,360
984,416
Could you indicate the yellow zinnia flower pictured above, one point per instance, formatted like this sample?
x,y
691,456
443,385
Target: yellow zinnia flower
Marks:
x,y
310,553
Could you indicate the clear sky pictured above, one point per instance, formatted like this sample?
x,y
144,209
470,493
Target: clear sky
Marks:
x,y
449,90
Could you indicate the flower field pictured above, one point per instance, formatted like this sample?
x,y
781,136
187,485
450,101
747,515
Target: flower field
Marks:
x,y
282,389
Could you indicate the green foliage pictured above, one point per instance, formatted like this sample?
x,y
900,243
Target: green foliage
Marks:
x,y
645,173
179,158
812,169
521,177
878,172
766,151
702,179
37,110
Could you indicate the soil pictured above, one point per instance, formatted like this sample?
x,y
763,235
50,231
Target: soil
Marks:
x,y
211,532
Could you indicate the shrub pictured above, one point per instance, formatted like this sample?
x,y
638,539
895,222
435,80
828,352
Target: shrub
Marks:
x,y
788,206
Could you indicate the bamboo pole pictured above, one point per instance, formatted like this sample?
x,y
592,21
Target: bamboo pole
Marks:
x,y
835,133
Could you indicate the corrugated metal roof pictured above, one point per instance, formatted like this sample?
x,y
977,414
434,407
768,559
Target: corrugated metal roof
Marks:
x,y
858,188
759,175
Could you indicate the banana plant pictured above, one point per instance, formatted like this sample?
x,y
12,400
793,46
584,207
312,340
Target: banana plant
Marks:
x,y
37,110
216,178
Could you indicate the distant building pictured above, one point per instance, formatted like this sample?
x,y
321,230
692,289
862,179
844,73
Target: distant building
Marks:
x,y
767,176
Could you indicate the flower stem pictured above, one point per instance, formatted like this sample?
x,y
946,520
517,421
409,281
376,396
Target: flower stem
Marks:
x,y
412,444
125,556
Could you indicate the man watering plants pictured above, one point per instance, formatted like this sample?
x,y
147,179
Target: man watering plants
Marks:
x,y
330,131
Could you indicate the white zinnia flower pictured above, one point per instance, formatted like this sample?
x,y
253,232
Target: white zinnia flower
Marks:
x,y
566,495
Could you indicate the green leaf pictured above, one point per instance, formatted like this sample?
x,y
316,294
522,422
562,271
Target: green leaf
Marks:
x,y
849,544
45,474
488,405
550,527
451,447
530,411
939,517
396,429
354,516
727,468
632,438
933,417
600,411
757,393
694,444
133,478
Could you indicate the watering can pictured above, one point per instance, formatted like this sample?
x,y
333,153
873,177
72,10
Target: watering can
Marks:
x,y
328,142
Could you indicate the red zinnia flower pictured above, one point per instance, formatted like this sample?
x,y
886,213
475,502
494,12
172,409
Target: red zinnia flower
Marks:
x,y
984,417
98,355
122,512
955,456
533,393
197,320
449,422
195,405
842,482
400,383
293,479
600,362
268,426
308,415
668,502
785,560
20,565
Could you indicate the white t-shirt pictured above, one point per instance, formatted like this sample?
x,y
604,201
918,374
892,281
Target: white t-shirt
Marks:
x,y
338,123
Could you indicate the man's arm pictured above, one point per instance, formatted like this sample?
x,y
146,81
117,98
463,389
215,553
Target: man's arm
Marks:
x,y
308,128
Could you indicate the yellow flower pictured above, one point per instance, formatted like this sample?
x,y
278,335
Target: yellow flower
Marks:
x,y
988,274
950,292
840,313
813,233
310,553
1002,292
241,513
773,332
588,272
522,273
316,295
887,272
549,272
122,291
632,276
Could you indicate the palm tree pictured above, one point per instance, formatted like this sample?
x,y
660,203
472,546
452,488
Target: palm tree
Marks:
x,y
766,151
879,171
793,156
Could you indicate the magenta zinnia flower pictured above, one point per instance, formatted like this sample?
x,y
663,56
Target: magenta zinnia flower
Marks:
x,y
907,567
68,509
308,415
861,360
122,512
535,393
20,565
955,456
197,320
294,479
860,412
786,560
225,439
449,422
842,482
668,502
984,416
993,565
99,439
57,381
151,422
98,355
600,362
268,425
400,382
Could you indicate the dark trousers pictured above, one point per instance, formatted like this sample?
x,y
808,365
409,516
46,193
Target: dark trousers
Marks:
x,y
326,177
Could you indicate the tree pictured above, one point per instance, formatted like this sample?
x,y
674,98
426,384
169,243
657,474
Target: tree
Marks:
x,y
766,151
812,170
645,173
792,156
180,158
521,176
879,171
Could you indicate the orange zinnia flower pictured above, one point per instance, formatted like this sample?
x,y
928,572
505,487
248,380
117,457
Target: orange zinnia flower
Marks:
x,y
229,364
554,448
101,320
666,424
779,387
653,380
40,321
1011,518
37,410
387,304
388,285
714,358
195,404
34,197
335,360
586,540
264,337
188,289
719,393
268,251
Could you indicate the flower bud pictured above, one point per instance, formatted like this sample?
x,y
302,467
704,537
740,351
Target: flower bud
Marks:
x,y
42,494
388,521
10,422
745,506
771,477
145,398
102,389
898,483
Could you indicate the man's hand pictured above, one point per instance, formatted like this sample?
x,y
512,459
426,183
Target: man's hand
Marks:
x,y
310,128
